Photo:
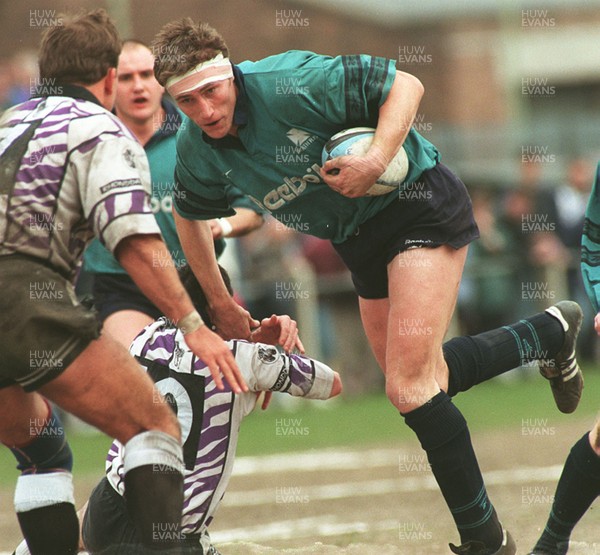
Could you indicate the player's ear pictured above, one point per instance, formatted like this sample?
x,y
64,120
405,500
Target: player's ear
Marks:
x,y
110,81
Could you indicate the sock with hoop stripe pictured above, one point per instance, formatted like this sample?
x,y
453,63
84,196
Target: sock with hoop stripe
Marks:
x,y
444,435
478,358
578,487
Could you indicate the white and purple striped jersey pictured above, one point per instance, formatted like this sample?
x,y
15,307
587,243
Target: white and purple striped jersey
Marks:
x,y
69,170
210,418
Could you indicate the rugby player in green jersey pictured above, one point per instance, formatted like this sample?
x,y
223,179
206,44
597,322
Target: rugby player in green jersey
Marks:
x,y
244,115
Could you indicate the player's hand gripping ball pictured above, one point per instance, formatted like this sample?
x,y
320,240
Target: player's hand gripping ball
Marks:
x,y
357,141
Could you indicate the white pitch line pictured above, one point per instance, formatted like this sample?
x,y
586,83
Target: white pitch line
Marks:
x,y
310,461
316,527
407,484
329,525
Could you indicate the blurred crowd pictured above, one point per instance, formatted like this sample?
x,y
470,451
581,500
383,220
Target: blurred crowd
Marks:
x,y
529,252
18,76
526,259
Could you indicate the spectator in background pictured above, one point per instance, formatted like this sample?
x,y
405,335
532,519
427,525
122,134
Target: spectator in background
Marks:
x,y
24,76
154,121
565,207
268,263
18,78
523,223
489,287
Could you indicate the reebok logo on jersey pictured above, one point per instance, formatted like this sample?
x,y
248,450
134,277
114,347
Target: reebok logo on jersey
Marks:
x,y
291,188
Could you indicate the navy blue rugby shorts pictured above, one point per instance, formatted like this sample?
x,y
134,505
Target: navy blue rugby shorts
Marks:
x,y
115,292
436,210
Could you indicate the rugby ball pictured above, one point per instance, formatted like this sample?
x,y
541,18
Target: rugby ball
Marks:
x,y
357,141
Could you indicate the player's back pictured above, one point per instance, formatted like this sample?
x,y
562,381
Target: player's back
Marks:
x,y
48,147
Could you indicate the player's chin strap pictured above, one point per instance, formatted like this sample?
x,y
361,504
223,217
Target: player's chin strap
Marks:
x,y
210,71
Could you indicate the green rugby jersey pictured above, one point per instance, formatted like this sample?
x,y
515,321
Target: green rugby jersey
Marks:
x,y
590,245
288,106
160,150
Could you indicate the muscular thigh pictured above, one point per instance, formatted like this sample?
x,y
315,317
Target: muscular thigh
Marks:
x,y
422,299
108,389
374,316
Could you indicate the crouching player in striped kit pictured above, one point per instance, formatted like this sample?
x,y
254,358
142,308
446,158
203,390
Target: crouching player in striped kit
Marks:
x,y
70,170
209,419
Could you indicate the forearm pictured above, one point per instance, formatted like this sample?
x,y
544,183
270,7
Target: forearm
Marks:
x,y
397,113
147,260
243,222
197,242
160,283
230,319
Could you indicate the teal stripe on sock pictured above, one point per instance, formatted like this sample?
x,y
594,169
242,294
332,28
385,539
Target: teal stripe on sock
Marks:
x,y
561,522
536,338
555,535
483,520
474,503
518,340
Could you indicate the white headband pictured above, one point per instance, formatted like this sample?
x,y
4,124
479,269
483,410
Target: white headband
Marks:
x,y
210,71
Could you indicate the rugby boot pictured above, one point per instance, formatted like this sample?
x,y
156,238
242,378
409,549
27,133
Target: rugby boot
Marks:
x,y
508,547
563,372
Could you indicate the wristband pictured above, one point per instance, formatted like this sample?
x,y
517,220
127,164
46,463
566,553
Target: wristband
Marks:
x,y
190,323
226,227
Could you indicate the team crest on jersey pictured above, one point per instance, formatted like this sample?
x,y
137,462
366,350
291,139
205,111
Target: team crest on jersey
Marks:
x,y
129,157
268,354
299,137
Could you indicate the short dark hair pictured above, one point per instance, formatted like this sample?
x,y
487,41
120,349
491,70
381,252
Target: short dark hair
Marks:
x,y
196,293
81,50
181,45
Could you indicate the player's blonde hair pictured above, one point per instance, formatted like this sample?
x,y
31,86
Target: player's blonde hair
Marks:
x,y
81,49
181,45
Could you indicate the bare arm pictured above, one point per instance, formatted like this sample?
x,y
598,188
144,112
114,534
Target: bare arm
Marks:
x,y
139,254
230,319
242,222
396,115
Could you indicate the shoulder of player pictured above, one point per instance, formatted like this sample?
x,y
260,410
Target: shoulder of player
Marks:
x,y
91,122
283,62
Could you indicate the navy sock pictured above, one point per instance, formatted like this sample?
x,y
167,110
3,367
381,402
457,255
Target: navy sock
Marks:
x,y
51,530
475,359
443,433
154,503
577,488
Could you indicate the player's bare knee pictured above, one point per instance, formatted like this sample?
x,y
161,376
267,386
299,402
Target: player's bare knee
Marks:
x,y
405,394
